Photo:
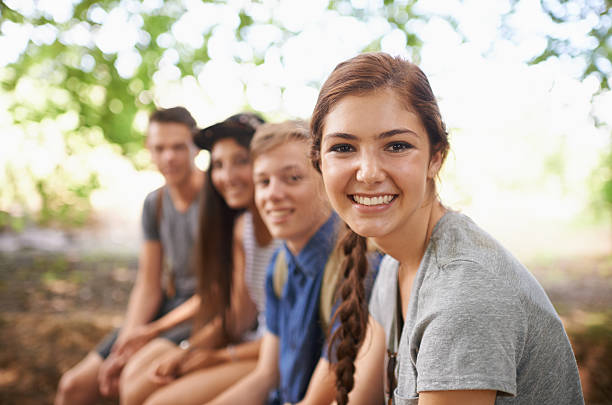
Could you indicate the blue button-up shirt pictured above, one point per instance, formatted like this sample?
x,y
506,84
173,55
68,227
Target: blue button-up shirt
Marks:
x,y
294,317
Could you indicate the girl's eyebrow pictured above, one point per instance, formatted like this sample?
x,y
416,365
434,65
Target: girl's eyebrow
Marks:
x,y
341,135
382,135
397,131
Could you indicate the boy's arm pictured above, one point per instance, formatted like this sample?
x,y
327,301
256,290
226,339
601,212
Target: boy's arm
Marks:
x,y
144,301
142,334
183,312
256,385
368,388
146,295
322,387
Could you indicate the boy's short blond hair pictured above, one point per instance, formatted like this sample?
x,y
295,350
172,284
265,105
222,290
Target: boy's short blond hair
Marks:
x,y
271,136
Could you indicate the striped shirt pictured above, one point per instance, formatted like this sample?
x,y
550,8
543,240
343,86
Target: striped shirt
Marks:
x,y
257,259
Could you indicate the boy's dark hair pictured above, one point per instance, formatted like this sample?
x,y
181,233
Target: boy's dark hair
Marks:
x,y
179,115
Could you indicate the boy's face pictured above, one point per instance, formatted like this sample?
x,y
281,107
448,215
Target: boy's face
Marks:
x,y
172,150
289,194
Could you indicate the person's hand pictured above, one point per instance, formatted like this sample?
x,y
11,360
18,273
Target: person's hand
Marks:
x,y
108,375
133,340
202,358
168,367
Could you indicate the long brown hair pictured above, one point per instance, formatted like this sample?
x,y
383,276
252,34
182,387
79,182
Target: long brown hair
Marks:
x,y
213,255
358,76
213,258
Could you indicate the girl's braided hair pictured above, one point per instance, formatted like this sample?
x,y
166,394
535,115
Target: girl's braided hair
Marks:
x,y
353,314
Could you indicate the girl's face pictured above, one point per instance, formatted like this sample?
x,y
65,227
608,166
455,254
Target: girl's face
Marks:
x,y
376,165
232,174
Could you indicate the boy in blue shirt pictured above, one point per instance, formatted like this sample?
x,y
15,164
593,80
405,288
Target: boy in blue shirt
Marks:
x,y
290,196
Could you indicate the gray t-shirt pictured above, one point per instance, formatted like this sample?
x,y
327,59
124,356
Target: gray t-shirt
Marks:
x,y
177,234
477,319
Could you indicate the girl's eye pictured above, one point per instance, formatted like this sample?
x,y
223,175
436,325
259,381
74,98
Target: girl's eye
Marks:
x,y
243,161
262,182
342,148
398,147
216,164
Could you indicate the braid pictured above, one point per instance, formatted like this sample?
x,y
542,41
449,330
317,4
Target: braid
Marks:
x,y
352,312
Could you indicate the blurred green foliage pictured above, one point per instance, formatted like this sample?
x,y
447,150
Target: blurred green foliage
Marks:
x,y
63,203
595,50
601,180
66,65
72,73
8,221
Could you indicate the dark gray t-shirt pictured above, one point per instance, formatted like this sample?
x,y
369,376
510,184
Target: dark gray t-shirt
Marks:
x,y
177,234
477,319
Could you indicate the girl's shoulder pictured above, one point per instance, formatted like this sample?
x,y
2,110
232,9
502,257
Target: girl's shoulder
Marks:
x,y
457,237
473,263
239,227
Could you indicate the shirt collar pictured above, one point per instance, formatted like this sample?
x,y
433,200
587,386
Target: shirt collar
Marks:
x,y
312,258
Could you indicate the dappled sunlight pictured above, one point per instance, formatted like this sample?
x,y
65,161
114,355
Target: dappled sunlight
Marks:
x,y
523,148
529,161
523,142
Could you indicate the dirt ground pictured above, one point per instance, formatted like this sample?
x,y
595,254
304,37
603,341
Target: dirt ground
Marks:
x,y
55,307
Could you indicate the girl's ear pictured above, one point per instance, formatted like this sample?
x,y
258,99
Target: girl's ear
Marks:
x,y
434,165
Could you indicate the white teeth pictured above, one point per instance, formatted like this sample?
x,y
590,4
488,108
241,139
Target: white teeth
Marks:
x,y
279,213
383,199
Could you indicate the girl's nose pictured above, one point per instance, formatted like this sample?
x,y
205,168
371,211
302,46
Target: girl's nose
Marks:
x,y
369,170
228,174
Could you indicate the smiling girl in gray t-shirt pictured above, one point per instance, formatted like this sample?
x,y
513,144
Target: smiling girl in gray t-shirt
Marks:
x,y
456,319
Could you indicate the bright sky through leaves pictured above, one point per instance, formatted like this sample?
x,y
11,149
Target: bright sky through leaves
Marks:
x,y
523,139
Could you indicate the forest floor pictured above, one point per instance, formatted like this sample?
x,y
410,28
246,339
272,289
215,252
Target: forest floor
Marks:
x,y
54,307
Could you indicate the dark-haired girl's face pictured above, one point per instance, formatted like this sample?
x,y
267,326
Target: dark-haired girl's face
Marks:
x,y
376,166
232,173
